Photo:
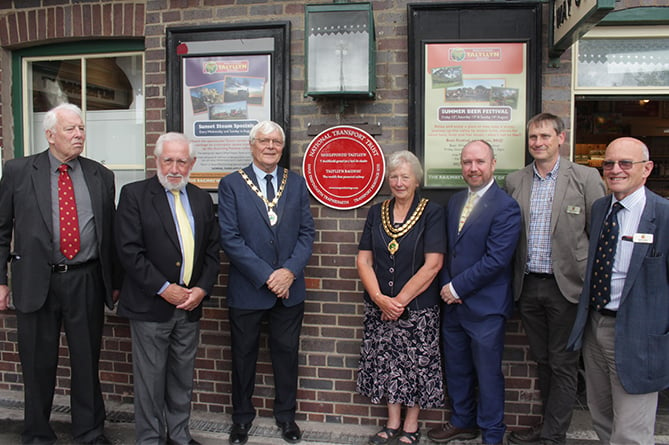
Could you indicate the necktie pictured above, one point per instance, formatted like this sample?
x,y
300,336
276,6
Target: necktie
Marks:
x,y
600,292
270,188
69,221
466,210
186,237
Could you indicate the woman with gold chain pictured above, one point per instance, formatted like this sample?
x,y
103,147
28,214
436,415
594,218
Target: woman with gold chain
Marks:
x,y
400,253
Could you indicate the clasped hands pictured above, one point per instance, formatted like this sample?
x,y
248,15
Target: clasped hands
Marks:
x,y
391,308
182,297
280,281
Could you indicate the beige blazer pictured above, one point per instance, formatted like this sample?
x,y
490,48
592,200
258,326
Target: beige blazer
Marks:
x,y
577,188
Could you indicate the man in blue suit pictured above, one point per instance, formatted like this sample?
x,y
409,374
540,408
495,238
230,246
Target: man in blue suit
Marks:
x,y
267,232
483,225
625,336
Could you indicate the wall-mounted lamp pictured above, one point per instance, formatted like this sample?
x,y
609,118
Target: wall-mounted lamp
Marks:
x,y
340,48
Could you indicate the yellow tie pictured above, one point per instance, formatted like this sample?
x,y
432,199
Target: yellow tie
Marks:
x,y
469,205
188,243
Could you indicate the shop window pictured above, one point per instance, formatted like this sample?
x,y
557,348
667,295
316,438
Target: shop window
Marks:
x,y
108,88
621,88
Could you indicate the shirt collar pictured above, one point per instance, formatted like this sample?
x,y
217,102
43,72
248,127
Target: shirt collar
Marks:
x,y
261,174
55,163
632,200
480,192
551,174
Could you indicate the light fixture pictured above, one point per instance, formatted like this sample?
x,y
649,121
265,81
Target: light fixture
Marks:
x,y
340,50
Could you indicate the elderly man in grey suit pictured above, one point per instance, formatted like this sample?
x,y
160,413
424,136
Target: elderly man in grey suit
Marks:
x,y
555,197
623,313
167,239
56,213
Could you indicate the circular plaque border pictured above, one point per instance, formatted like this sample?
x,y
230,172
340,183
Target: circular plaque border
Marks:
x,y
365,146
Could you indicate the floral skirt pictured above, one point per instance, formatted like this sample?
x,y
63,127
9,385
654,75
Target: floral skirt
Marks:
x,y
400,361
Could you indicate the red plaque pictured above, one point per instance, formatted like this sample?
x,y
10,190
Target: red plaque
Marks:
x,y
344,167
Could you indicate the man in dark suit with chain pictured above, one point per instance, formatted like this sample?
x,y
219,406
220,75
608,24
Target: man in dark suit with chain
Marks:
x,y
267,232
64,271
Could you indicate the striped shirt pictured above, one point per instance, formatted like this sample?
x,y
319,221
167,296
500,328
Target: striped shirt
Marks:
x,y
628,220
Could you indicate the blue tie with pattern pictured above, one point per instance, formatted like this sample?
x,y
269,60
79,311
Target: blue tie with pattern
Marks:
x,y
600,291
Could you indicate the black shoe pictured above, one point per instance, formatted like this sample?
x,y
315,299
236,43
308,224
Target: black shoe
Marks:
x,y
100,440
239,434
290,431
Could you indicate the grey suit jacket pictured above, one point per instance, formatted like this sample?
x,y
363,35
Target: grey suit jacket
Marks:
x,y
26,227
642,323
577,188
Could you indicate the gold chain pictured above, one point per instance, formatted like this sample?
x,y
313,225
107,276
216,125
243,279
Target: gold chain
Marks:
x,y
394,233
257,191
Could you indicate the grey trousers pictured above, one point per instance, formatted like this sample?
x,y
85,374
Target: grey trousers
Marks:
x,y
163,356
619,418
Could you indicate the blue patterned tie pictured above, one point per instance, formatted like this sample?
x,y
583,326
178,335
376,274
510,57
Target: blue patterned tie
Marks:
x,y
600,291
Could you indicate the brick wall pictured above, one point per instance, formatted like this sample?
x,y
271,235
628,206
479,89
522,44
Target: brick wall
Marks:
x,y
333,320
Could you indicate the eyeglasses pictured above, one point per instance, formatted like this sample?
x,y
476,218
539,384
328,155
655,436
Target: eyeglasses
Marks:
x,y
624,164
265,141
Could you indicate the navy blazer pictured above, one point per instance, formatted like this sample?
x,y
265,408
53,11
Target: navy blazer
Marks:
x,y
255,248
642,322
25,216
478,262
149,250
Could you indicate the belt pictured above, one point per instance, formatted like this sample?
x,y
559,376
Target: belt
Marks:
x,y
543,276
608,312
62,268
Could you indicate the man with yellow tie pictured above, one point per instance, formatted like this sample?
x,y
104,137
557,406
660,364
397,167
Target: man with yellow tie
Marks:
x,y
167,238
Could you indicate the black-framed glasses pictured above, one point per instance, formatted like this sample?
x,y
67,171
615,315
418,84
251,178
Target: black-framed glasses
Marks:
x,y
625,164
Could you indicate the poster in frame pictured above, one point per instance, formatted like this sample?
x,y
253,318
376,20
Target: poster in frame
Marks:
x,y
443,36
473,91
221,82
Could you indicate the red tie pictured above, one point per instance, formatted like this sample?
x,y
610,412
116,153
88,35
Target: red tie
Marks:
x,y
69,222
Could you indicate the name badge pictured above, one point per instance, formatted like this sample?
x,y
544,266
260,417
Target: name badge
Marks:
x,y
574,210
645,238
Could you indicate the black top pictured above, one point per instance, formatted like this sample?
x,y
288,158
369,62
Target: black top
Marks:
x,y
428,235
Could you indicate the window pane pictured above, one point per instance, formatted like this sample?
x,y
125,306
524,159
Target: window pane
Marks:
x,y
50,83
115,110
55,82
623,63
113,97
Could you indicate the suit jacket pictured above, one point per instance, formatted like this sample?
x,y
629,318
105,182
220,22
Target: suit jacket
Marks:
x,y
577,188
478,262
148,246
642,322
255,248
25,211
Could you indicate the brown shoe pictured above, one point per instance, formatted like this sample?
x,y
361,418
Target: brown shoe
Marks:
x,y
526,437
450,432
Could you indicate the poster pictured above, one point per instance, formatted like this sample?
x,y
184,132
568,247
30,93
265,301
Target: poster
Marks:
x,y
223,98
473,91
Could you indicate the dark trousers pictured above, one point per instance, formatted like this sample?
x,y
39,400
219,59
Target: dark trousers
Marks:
x,y
75,301
284,325
473,357
548,318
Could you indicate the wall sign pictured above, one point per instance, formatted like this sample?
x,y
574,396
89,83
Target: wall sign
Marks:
x,y
572,19
344,167
221,81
